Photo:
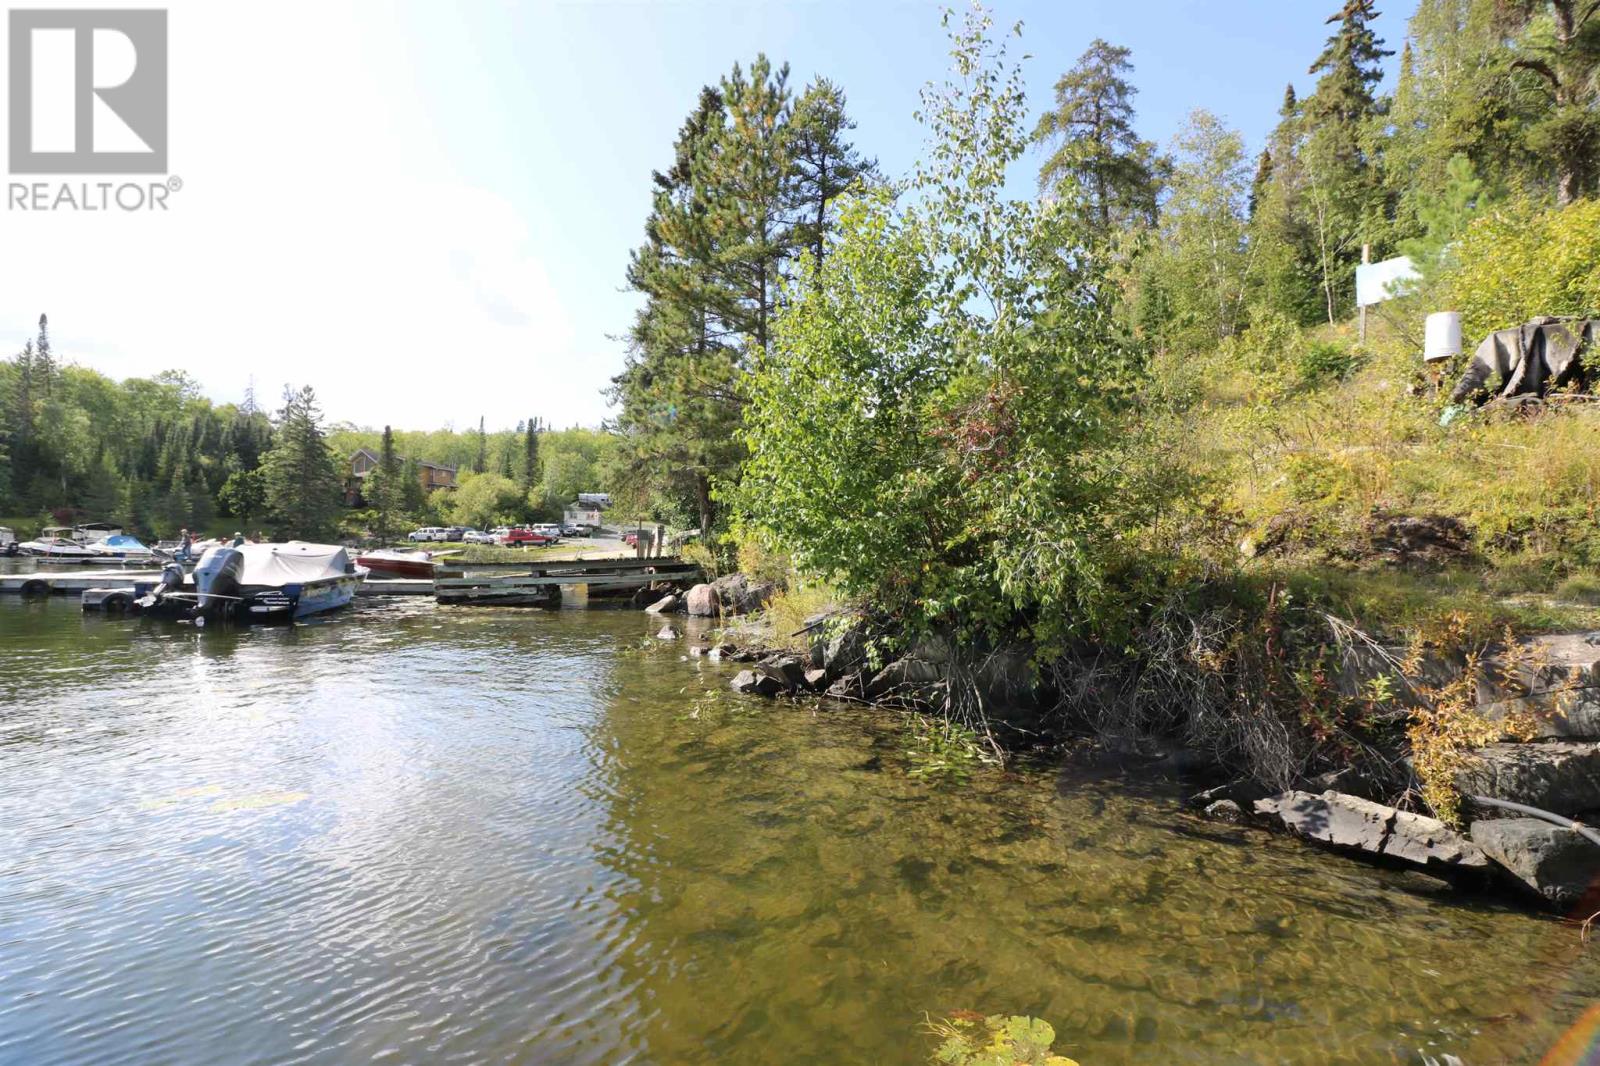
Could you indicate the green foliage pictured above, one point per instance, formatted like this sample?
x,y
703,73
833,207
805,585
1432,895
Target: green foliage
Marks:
x,y
937,426
944,750
970,1040
303,481
1520,261
483,501
1097,162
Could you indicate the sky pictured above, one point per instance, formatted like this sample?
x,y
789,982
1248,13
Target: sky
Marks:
x,y
425,209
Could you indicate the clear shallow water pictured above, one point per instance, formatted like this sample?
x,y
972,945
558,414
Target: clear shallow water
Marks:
x,y
418,835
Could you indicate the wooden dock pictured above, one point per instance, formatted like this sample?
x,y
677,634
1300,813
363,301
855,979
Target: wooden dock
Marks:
x,y
540,585
60,583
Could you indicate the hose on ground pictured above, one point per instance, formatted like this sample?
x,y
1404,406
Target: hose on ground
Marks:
x,y
1554,819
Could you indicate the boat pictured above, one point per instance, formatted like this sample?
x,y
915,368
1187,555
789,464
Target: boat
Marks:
x,y
95,532
257,583
396,563
57,542
120,547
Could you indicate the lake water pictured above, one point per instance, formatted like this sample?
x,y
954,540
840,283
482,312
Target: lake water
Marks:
x,y
413,834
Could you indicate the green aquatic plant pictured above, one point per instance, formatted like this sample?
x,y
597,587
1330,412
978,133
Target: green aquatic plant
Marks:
x,y
969,1039
944,749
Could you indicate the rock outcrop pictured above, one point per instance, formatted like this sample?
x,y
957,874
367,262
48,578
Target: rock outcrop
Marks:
x,y
1557,863
1560,776
1361,825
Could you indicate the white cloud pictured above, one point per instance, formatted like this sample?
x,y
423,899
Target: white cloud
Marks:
x,y
321,237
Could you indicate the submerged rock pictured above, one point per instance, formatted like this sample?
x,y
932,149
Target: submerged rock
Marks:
x,y
665,605
1557,863
1361,825
1558,776
667,633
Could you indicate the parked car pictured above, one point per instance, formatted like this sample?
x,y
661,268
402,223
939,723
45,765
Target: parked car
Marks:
x,y
477,536
522,537
549,530
458,532
427,533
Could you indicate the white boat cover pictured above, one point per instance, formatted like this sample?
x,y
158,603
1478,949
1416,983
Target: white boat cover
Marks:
x,y
294,563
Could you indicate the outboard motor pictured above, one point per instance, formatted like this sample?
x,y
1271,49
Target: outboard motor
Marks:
x,y
216,582
171,581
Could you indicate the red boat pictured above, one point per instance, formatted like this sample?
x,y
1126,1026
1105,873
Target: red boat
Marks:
x,y
398,563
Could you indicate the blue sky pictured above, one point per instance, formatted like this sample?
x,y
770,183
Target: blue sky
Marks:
x,y
425,209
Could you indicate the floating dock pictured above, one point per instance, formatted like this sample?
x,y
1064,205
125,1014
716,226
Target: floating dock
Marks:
x,y
540,585
52,582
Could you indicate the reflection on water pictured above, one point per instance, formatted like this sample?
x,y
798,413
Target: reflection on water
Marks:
x,y
451,835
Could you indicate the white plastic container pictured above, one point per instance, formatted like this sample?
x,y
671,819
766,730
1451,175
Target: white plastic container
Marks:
x,y
1442,336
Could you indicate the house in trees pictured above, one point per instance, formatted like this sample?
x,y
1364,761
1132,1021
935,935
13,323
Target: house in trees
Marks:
x,y
431,475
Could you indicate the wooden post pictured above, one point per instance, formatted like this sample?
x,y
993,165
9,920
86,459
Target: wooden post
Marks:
x,y
1366,257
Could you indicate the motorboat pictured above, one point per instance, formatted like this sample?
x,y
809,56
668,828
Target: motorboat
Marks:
x,y
119,547
57,542
256,583
95,532
396,563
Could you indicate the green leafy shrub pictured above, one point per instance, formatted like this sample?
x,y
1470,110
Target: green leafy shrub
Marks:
x,y
1521,261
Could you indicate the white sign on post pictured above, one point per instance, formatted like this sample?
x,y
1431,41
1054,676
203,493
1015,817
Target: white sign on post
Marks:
x,y
1377,282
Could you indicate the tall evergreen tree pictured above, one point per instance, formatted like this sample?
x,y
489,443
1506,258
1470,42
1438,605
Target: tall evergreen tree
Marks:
x,y
1342,193
44,363
1096,158
303,484
530,455
826,165
480,463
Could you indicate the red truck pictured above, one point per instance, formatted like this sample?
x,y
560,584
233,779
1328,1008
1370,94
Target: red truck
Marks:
x,y
523,537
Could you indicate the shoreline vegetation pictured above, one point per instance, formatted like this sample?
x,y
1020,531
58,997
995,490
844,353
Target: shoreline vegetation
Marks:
x,y
1112,461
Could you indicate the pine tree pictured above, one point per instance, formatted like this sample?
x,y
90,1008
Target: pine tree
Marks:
x,y
384,491
530,456
1097,160
1343,191
481,462
303,484
44,362
825,164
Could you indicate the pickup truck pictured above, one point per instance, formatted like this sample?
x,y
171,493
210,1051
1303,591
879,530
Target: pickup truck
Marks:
x,y
522,538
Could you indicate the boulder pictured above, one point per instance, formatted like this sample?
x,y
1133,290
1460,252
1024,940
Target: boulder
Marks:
x,y
907,680
1361,825
701,601
758,682
1557,863
666,633
665,605
1562,776
816,679
788,669
843,652
697,650
718,652
737,594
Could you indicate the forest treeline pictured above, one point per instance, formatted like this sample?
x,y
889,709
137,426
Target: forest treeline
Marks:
x,y
154,455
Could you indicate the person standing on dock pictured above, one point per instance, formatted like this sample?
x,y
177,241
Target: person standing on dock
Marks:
x,y
185,543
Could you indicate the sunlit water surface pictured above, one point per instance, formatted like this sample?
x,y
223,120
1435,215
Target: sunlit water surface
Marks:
x,y
414,834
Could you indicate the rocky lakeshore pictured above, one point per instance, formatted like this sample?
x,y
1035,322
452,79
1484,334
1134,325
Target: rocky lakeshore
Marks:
x,y
1524,825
